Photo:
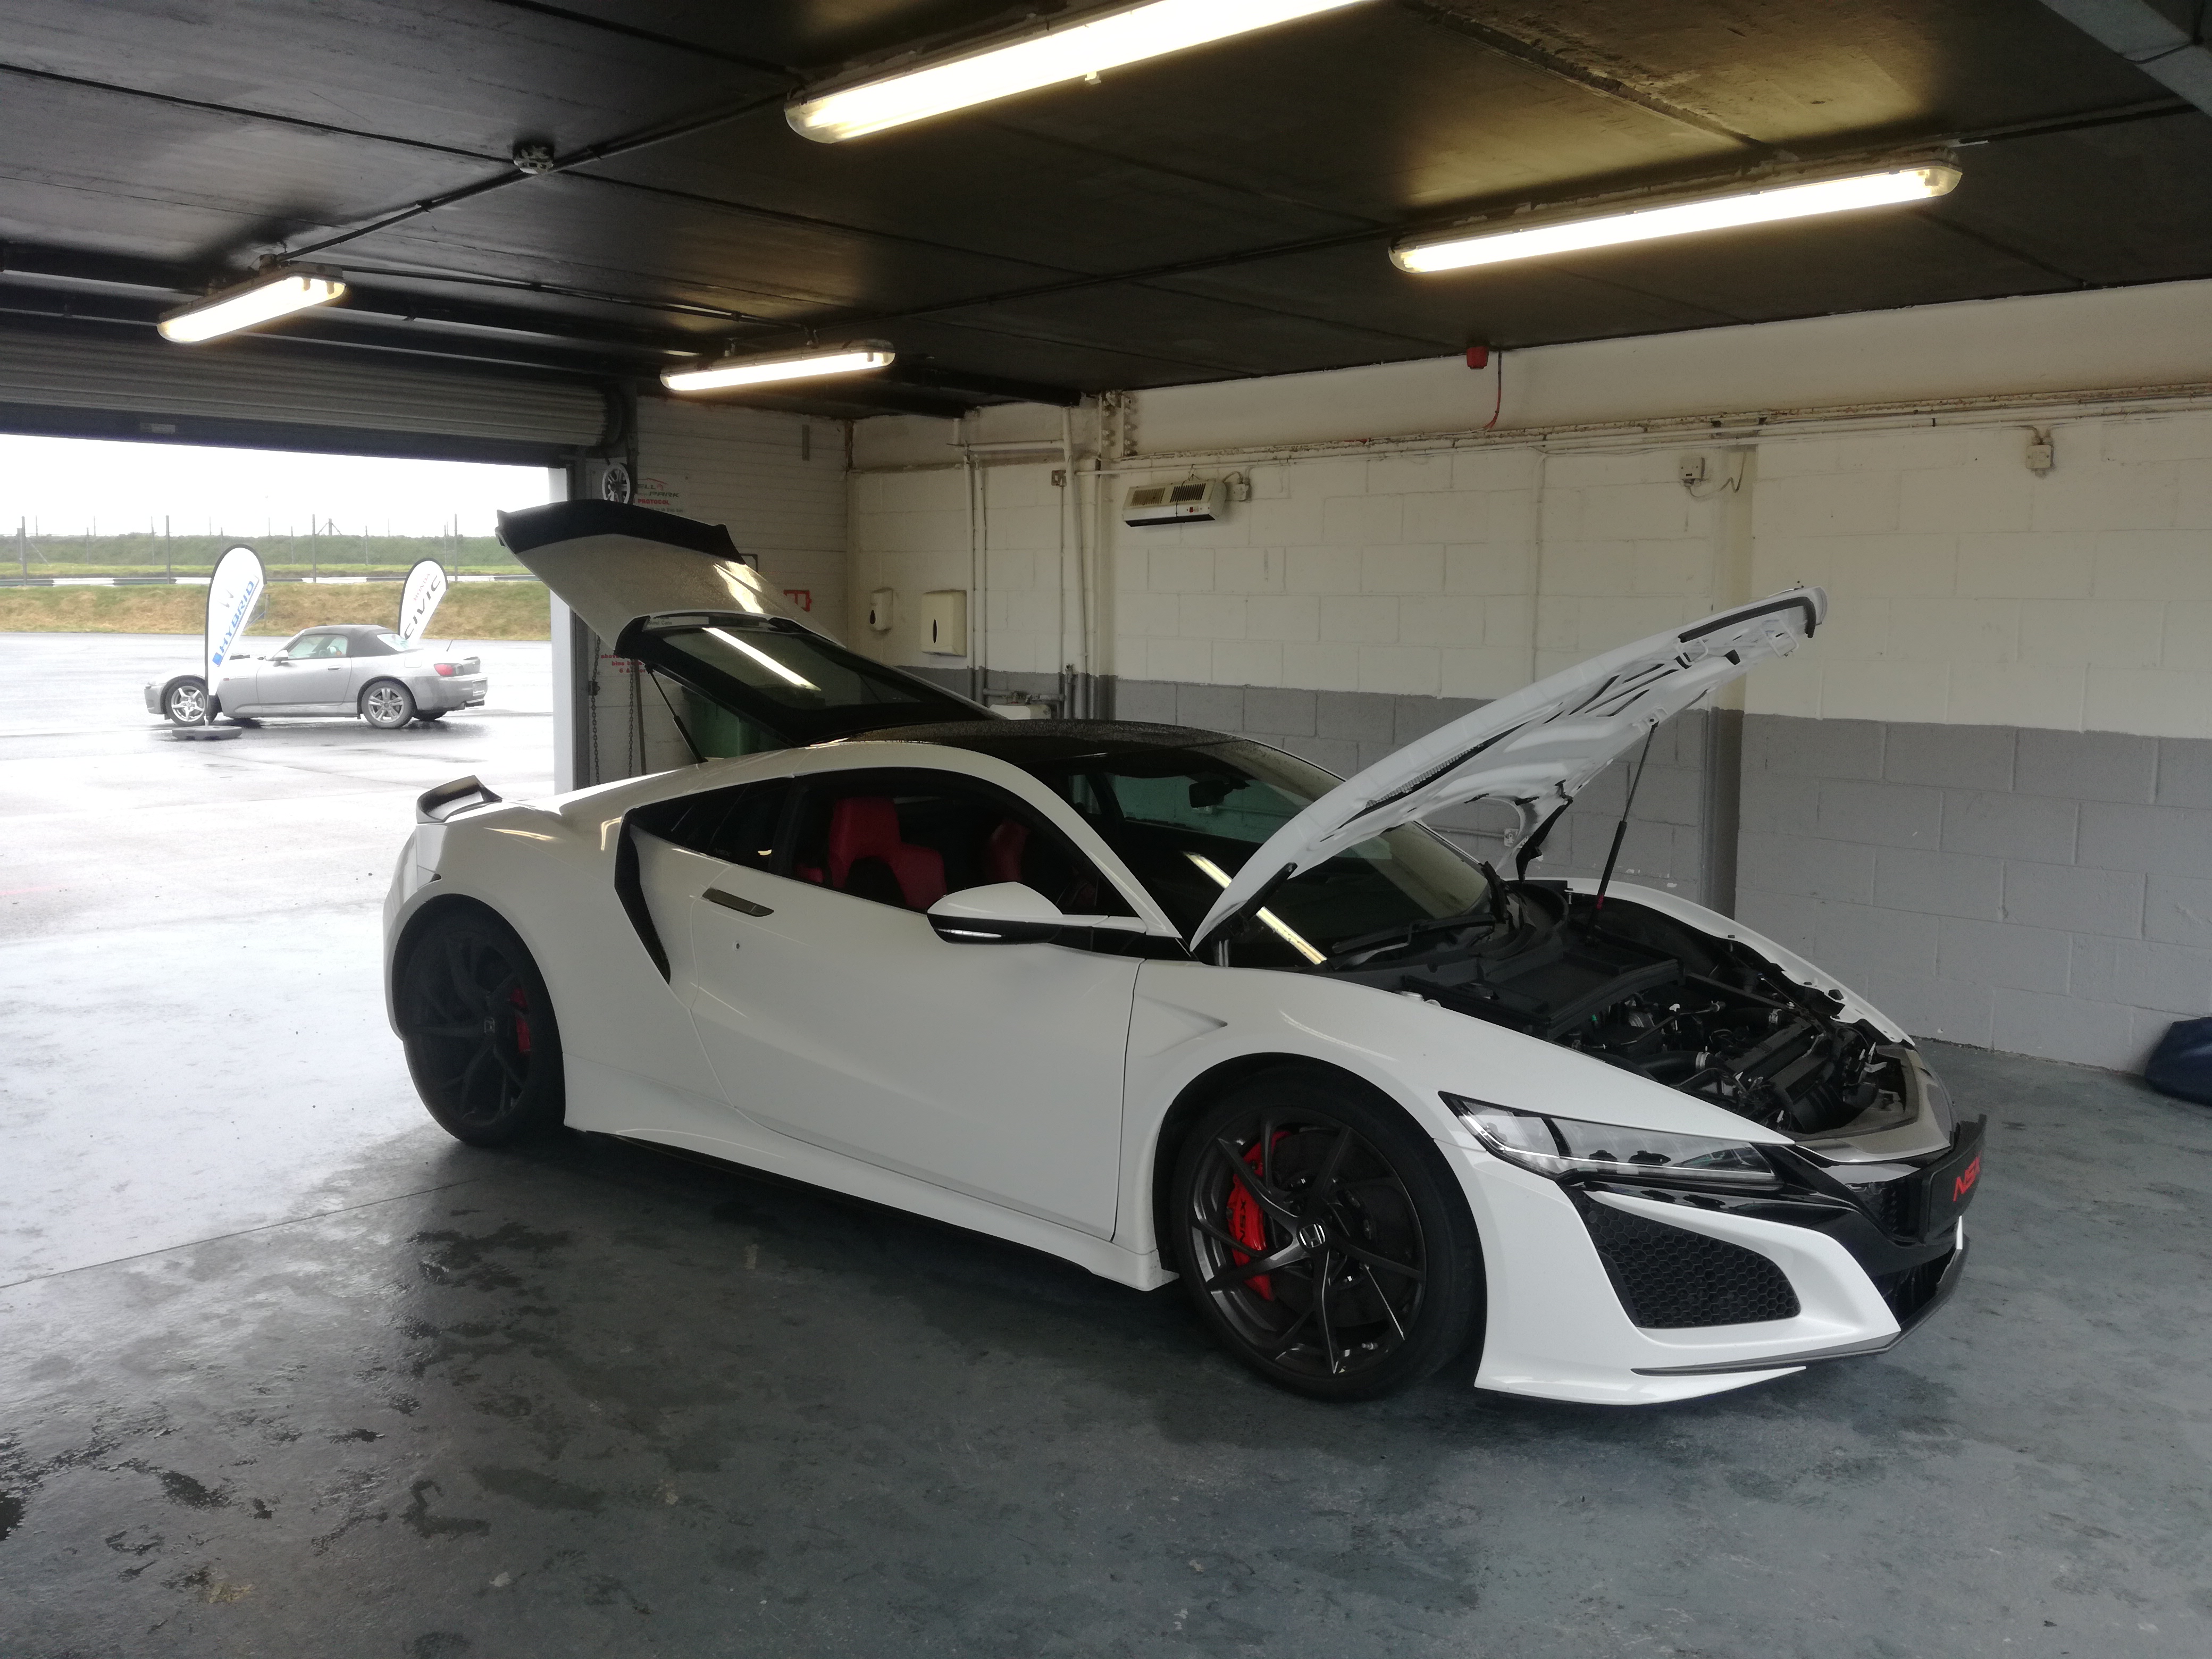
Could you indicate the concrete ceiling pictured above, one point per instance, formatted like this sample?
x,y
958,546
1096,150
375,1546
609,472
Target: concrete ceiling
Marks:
x,y
1219,214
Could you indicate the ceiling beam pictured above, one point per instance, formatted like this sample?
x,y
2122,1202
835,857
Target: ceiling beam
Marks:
x,y
1445,14
651,37
231,112
993,387
2147,38
54,268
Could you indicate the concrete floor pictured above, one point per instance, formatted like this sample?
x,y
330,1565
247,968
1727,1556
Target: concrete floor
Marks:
x,y
286,1371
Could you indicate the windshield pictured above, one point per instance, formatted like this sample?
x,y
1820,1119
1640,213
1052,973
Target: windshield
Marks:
x,y
771,674
1185,820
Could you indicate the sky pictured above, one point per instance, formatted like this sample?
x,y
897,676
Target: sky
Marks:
x,y
77,486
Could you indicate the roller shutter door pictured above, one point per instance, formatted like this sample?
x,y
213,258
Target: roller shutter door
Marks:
x,y
275,394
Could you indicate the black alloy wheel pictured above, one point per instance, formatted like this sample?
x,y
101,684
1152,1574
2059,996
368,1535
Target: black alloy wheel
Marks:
x,y
482,1044
1322,1237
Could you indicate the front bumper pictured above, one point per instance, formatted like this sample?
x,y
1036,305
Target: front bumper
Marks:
x,y
1806,1278
153,699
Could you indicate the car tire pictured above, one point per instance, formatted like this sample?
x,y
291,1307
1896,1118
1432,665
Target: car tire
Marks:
x,y
185,701
483,1044
386,705
1348,1192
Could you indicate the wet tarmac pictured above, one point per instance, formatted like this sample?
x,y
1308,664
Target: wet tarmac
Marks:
x,y
285,1371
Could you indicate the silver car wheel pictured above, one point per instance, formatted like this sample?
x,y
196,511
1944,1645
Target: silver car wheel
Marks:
x,y
386,705
187,705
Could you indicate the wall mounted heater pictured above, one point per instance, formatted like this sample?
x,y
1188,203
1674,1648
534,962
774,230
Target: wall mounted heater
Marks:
x,y
1195,501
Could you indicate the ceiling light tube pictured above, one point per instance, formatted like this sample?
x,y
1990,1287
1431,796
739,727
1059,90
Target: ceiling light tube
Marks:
x,y
267,297
1036,55
853,357
1547,233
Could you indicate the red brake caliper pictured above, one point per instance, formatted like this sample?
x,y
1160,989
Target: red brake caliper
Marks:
x,y
522,1006
1247,1221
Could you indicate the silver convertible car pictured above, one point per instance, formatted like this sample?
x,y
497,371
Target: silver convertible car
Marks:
x,y
348,668
1174,1005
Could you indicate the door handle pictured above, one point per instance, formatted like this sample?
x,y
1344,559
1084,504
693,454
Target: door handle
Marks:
x,y
731,902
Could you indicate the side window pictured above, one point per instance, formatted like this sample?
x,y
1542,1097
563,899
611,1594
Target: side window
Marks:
x,y
909,838
319,645
737,826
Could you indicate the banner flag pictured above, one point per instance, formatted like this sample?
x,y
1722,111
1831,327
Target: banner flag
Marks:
x,y
233,591
419,600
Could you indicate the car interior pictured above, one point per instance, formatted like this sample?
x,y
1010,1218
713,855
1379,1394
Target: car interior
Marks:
x,y
903,838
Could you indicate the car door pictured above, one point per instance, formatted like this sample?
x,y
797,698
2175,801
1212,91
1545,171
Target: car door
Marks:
x,y
308,677
831,1010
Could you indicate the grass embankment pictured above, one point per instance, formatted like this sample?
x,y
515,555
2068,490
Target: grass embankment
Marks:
x,y
391,572
471,611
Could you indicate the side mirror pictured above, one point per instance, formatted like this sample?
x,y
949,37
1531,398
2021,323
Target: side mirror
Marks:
x,y
1011,913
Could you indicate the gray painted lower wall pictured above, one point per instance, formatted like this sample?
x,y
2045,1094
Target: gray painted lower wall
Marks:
x,y
2043,892
2046,893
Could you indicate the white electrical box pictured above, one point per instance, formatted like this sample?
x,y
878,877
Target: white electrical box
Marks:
x,y
1195,501
944,622
879,610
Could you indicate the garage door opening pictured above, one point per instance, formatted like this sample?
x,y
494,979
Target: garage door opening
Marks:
x,y
110,536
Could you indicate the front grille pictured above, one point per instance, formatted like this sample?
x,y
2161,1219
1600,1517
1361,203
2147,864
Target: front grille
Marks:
x,y
1888,1202
1908,1292
1669,1278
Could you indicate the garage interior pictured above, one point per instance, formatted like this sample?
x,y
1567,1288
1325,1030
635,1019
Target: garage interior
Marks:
x,y
287,1371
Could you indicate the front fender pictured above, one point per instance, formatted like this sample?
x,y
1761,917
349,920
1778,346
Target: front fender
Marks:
x,y
1191,1019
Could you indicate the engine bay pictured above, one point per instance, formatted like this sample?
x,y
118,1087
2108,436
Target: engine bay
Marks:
x,y
1641,991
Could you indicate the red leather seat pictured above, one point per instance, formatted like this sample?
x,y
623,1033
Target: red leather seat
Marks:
x,y
865,827
1003,850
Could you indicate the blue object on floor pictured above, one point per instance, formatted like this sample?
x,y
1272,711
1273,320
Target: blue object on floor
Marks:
x,y
2181,1065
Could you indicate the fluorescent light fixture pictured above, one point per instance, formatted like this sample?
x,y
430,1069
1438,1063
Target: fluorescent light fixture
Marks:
x,y
851,358
1036,55
1281,929
1546,234
264,300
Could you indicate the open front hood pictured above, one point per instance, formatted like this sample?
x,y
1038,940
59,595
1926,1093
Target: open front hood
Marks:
x,y
1537,748
611,564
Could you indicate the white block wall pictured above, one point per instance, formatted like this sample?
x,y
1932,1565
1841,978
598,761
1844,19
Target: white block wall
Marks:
x,y
783,497
777,481
1384,591
911,532
1970,591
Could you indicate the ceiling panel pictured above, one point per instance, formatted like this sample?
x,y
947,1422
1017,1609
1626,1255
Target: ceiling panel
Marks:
x,y
1223,213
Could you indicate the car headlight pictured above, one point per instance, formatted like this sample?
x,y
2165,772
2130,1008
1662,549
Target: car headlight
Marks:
x,y
1558,1146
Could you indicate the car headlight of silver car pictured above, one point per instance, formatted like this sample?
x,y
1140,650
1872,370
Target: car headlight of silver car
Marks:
x,y
1558,1146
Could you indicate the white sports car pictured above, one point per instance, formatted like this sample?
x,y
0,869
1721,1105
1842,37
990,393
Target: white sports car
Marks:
x,y
1168,1003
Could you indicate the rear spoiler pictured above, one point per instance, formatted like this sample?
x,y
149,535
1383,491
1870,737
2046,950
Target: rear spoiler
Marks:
x,y
436,805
